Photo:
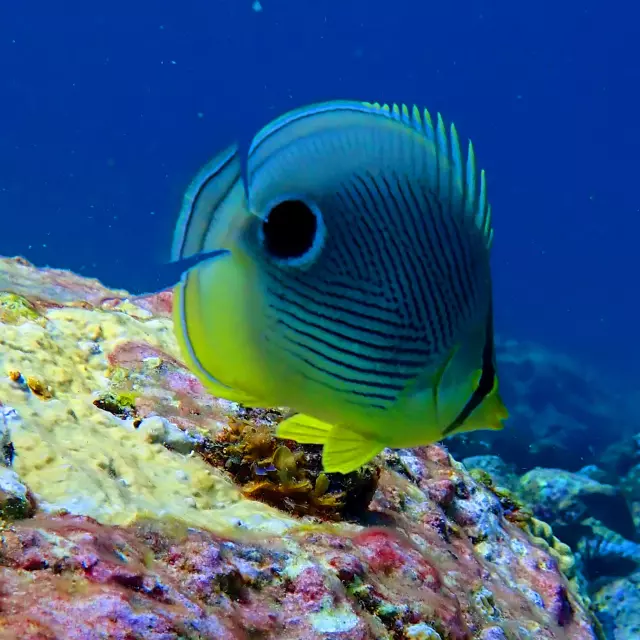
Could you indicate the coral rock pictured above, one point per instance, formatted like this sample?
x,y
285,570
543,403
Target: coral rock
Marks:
x,y
162,513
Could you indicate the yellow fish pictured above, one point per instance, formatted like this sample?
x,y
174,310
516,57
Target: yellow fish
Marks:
x,y
349,280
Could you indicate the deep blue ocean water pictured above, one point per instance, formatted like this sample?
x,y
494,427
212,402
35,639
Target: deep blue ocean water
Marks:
x,y
107,109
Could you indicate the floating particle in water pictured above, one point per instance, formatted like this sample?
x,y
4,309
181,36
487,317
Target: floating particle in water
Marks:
x,y
257,6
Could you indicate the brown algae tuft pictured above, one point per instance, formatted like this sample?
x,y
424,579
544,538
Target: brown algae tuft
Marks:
x,y
39,388
285,474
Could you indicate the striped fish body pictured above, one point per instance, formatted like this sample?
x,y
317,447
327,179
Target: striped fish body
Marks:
x,y
357,278
357,336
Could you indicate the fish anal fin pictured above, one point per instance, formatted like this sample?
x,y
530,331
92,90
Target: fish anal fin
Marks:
x,y
345,451
493,410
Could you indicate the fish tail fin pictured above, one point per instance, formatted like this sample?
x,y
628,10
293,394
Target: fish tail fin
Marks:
x,y
344,450
489,415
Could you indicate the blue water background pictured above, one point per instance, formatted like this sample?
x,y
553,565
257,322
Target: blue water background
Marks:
x,y
108,108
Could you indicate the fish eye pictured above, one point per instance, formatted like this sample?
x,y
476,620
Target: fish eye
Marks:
x,y
292,231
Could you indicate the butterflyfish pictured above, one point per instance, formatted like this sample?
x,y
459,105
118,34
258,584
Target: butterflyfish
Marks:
x,y
342,270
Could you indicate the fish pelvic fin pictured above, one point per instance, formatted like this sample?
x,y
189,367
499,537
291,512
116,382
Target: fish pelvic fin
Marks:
x,y
304,429
344,450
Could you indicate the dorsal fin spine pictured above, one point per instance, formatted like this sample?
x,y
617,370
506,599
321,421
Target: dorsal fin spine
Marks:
x,y
443,157
471,201
462,188
482,202
416,120
458,184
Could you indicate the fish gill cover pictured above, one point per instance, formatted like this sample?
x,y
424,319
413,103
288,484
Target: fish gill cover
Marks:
x,y
134,504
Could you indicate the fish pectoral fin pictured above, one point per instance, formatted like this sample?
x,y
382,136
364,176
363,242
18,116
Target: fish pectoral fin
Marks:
x,y
304,429
345,451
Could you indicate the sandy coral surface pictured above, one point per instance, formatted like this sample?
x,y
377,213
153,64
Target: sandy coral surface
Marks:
x,y
137,506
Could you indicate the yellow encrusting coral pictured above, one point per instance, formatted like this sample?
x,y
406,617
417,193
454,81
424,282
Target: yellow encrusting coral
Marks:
x,y
15,309
75,456
542,534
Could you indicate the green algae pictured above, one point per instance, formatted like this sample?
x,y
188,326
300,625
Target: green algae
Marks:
x,y
121,404
15,508
513,508
15,309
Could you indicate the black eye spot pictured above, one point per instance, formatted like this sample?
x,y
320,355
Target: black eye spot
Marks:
x,y
289,229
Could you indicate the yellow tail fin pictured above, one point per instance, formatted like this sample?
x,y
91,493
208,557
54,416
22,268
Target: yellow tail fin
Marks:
x,y
489,415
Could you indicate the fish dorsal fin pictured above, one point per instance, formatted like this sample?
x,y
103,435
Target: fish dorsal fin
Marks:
x,y
212,205
460,183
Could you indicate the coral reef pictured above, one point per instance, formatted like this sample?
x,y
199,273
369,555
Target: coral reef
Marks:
x,y
573,433
139,507
601,562
501,473
621,463
618,606
605,553
565,499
